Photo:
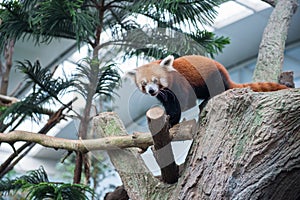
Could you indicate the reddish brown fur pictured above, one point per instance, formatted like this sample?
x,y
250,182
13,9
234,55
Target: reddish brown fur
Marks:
x,y
262,86
195,73
178,83
195,68
191,67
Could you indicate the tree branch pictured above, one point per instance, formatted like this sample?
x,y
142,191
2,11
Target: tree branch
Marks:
x,y
271,49
138,139
10,162
8,100
136,177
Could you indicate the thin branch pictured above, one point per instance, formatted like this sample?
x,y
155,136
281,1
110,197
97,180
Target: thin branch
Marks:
x,y
138,139
1,68
8,99
9,164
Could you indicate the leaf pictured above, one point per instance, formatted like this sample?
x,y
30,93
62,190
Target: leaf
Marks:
x,y
43,78
89,71
45,20
38,186
46,89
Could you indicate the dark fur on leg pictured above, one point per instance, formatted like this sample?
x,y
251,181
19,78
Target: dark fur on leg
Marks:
x,y
203,104
171,105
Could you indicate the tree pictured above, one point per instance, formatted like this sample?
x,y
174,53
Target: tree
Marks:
x,y
85,22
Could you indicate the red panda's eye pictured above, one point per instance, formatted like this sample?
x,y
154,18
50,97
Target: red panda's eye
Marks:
x,y
143,83
155,81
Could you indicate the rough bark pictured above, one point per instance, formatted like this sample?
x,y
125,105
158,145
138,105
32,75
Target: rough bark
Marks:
x,y
137,179
271,50
247,146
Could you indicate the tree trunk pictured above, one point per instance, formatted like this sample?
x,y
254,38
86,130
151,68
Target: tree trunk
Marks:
x,y
6,68
247,146
271,50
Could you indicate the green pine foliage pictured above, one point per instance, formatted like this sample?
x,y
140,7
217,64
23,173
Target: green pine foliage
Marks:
x,y
46,90
43,80
45,20
106,77
79,20
36,186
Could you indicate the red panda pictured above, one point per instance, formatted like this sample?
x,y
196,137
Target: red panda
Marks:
x,y
178,83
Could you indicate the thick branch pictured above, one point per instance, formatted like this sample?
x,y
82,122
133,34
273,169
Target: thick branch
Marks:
x,y
271,50
130,166
247,147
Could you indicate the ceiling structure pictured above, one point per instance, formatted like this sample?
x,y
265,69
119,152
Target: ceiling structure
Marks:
x,y
243,21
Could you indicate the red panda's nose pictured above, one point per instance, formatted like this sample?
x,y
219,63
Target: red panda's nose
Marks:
x,y
151,91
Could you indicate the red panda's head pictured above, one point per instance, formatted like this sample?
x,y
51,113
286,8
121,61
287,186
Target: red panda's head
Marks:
x,y
153,77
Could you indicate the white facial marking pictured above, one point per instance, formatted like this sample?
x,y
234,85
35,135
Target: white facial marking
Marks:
x,y
163,82
142,84
154,80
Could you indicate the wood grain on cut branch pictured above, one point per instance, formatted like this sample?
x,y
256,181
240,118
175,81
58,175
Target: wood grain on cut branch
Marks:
x,y
138,139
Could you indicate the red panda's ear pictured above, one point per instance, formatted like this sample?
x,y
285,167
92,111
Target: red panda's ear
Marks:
x,y
131,74
168,63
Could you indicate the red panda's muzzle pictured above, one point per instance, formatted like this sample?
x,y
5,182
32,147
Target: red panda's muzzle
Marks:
x,y
152,89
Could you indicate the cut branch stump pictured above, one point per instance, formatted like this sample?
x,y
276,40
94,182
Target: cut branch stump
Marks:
x,y
158,123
